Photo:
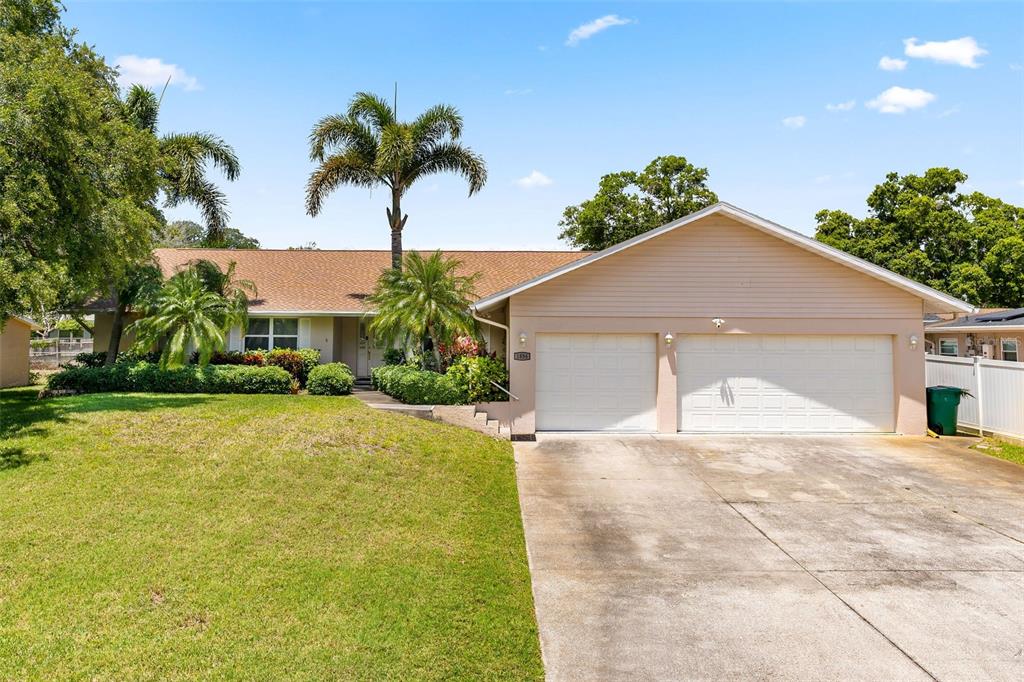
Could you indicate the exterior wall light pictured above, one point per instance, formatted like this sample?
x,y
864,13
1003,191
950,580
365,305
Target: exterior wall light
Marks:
x,y
522,339
913,342
668,339
718,322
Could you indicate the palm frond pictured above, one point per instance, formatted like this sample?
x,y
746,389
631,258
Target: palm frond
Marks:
x,y
449,157
141,107
437,123
346,168
372,108
192,151
342,132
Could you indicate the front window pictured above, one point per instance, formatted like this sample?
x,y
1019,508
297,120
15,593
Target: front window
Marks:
x,y
265,333
949,347
1010,349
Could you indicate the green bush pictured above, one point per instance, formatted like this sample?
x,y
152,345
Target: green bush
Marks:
x,y
394,356
416,386
149,378
310,360
334,378
472,377
298,363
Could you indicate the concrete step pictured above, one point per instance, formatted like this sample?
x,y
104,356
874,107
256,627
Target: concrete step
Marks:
x,y
480,417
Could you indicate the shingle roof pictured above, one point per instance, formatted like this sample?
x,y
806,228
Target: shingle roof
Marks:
x,y
1010,318
339,281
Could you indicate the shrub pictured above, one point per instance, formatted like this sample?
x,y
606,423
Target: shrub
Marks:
x,y
126,356
394,356
310,360
149,377
472,377
288,360
462,347
416,386
334,378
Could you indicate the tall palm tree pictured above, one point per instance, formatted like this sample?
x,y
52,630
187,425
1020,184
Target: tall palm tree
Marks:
x,y
368,147
183,161
426,299
185,313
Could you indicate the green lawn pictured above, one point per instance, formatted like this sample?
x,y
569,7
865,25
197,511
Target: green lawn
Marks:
x,y
257,537
1002,449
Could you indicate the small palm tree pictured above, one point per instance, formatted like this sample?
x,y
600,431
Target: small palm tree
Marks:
x,y
183,160
368,147
185,314
426,299
237,293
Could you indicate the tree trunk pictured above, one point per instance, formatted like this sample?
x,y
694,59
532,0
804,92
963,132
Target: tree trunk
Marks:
x,y
397,222
116,329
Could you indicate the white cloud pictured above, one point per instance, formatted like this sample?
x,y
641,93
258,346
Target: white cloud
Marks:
x,y
592,28
1016,67
842,106
514,92
892,64
152,72
534,179
794,122
897,100
962,51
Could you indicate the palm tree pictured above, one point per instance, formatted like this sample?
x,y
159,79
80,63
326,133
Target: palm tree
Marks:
x,y
236,292
368,147
185,314
183,160
427,299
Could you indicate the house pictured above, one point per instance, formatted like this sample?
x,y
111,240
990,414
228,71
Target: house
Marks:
x,y
994,334
317,298
721,321
14,350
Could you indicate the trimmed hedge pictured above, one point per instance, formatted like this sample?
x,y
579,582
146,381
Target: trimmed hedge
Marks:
x,y
149,378
416,386
472,377
334,378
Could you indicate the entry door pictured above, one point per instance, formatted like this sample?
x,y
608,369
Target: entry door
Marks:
x,y
371,350
749,383
596,382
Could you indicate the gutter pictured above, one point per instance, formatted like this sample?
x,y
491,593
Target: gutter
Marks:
x,y
508,338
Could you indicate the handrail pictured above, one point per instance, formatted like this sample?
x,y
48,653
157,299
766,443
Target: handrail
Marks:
x,y
504,390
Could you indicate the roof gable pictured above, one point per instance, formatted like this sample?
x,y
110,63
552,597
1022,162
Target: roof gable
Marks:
x,y
934,299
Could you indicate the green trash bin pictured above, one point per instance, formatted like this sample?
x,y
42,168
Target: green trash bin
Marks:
x,y
943,402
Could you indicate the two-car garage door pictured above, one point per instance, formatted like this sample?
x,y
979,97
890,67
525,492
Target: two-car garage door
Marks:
x,y
725,383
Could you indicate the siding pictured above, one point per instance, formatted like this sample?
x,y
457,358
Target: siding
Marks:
x,y
991,337
14,361
721,267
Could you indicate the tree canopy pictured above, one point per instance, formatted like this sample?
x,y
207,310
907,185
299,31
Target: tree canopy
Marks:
x,y
629,203
186,234
77,180
921,226
368,146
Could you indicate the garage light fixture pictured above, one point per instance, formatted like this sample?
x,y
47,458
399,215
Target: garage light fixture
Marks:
x,y
668,339
522,339
913,342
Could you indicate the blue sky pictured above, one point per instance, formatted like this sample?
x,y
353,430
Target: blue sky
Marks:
x,y
739,88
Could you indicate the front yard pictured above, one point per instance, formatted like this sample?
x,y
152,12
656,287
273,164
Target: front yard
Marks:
x,y
255,537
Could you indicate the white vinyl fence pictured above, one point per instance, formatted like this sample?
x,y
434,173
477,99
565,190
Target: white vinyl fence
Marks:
x,y
997,387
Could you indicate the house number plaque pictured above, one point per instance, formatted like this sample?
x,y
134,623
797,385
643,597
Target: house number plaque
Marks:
x,y
521,355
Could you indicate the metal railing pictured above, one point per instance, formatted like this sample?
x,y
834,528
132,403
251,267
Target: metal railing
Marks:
x,y
46,353
511,397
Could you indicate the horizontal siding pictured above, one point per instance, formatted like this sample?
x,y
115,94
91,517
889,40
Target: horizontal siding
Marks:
x,y
716,267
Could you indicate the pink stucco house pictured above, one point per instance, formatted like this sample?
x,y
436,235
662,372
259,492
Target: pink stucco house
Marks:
x,y
721,321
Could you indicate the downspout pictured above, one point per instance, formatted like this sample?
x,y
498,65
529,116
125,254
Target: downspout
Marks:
x,y
508,339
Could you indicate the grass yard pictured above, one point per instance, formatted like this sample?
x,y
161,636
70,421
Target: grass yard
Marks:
x,y
1002,449
257,537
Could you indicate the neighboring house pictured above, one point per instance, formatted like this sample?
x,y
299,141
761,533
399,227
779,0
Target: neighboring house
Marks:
x,y
720,321
14,347
995,334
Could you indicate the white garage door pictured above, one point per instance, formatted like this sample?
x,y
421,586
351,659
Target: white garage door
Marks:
x,y
741,383
596,382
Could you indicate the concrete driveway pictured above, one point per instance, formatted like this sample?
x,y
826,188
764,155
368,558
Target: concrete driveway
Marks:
x,y
785,557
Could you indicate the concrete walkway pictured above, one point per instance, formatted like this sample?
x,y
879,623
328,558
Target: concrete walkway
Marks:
x,y
774,558
382,401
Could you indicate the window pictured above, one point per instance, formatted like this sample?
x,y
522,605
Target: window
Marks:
x,y
949,347
265,333
1010,350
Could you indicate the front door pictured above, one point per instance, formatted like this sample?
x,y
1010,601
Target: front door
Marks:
x,y
371,350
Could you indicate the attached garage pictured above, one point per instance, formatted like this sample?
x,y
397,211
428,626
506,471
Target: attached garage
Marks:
x,y
721,321
785,383
596,382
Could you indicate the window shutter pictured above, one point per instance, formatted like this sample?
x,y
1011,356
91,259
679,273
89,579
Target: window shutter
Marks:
x,y
235,338
305,325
